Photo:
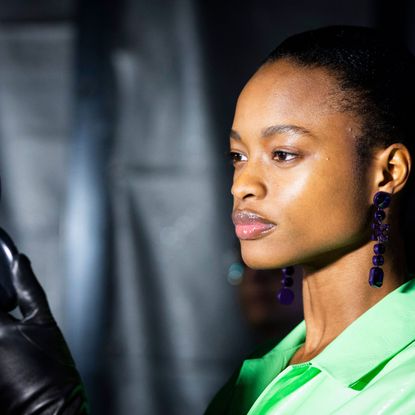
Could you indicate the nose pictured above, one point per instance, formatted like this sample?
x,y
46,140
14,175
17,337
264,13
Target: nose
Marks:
x,y
248,183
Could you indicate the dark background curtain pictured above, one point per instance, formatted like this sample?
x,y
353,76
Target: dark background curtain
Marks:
x,y
114,120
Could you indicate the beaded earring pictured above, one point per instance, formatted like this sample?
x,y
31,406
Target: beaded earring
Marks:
x,y
285,295
380,233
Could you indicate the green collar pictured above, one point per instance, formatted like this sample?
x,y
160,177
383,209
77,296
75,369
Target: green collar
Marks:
x,y
353,358
382,332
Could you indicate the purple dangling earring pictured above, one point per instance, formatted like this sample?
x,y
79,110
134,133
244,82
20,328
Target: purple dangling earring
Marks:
x,y
286,295
380,233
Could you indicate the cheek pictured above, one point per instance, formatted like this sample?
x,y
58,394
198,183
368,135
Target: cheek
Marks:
x,y
326,210
317,211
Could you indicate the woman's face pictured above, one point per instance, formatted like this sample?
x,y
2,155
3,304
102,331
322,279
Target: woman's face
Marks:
x,y
296,168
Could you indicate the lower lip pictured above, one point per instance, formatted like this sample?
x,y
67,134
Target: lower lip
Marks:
x,y
253,230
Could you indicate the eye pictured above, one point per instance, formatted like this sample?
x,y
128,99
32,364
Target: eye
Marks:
x,y
281,156
236,157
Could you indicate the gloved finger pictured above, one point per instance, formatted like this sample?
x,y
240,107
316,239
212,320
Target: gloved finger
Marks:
x,y
8,296
30,295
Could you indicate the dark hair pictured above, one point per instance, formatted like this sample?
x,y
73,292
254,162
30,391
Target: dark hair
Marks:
x,y
376,78
377,74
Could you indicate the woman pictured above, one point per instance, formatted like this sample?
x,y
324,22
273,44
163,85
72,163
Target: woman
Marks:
x,y
321,143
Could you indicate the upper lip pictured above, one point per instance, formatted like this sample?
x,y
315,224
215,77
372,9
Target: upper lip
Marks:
x,y
246,217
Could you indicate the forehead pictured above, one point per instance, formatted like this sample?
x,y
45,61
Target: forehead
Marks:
x,y
284,93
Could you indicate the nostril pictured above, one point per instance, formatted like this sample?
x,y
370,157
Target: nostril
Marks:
x,y
248,195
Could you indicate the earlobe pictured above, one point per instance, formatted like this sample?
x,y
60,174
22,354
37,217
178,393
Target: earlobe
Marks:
x,y
395,163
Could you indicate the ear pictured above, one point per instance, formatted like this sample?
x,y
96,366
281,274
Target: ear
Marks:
x,y
393,166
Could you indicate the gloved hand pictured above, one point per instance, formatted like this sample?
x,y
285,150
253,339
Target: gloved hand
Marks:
x,y
37,373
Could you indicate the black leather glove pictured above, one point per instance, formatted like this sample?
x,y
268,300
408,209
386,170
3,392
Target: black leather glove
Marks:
x,y
37,373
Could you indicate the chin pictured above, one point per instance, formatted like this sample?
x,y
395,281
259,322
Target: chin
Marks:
x,y
260,260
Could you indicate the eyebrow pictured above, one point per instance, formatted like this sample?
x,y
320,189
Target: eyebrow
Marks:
x,y
284,128
276,129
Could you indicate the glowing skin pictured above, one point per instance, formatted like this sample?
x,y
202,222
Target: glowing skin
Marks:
x,y
296,167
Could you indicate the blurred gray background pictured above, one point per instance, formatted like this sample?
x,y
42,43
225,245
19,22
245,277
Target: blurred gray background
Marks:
x,y
114,120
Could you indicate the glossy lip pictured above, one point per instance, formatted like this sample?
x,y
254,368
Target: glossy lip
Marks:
x,y
250,225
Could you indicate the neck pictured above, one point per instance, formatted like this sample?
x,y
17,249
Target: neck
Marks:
x,y
338,293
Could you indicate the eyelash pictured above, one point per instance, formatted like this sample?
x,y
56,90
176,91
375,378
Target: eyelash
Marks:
x,y
286,153
234,155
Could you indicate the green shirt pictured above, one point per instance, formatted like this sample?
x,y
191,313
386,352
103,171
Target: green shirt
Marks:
x,y
368,369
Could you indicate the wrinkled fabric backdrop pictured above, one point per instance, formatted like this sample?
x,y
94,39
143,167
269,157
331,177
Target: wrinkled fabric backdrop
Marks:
x,y
114,119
